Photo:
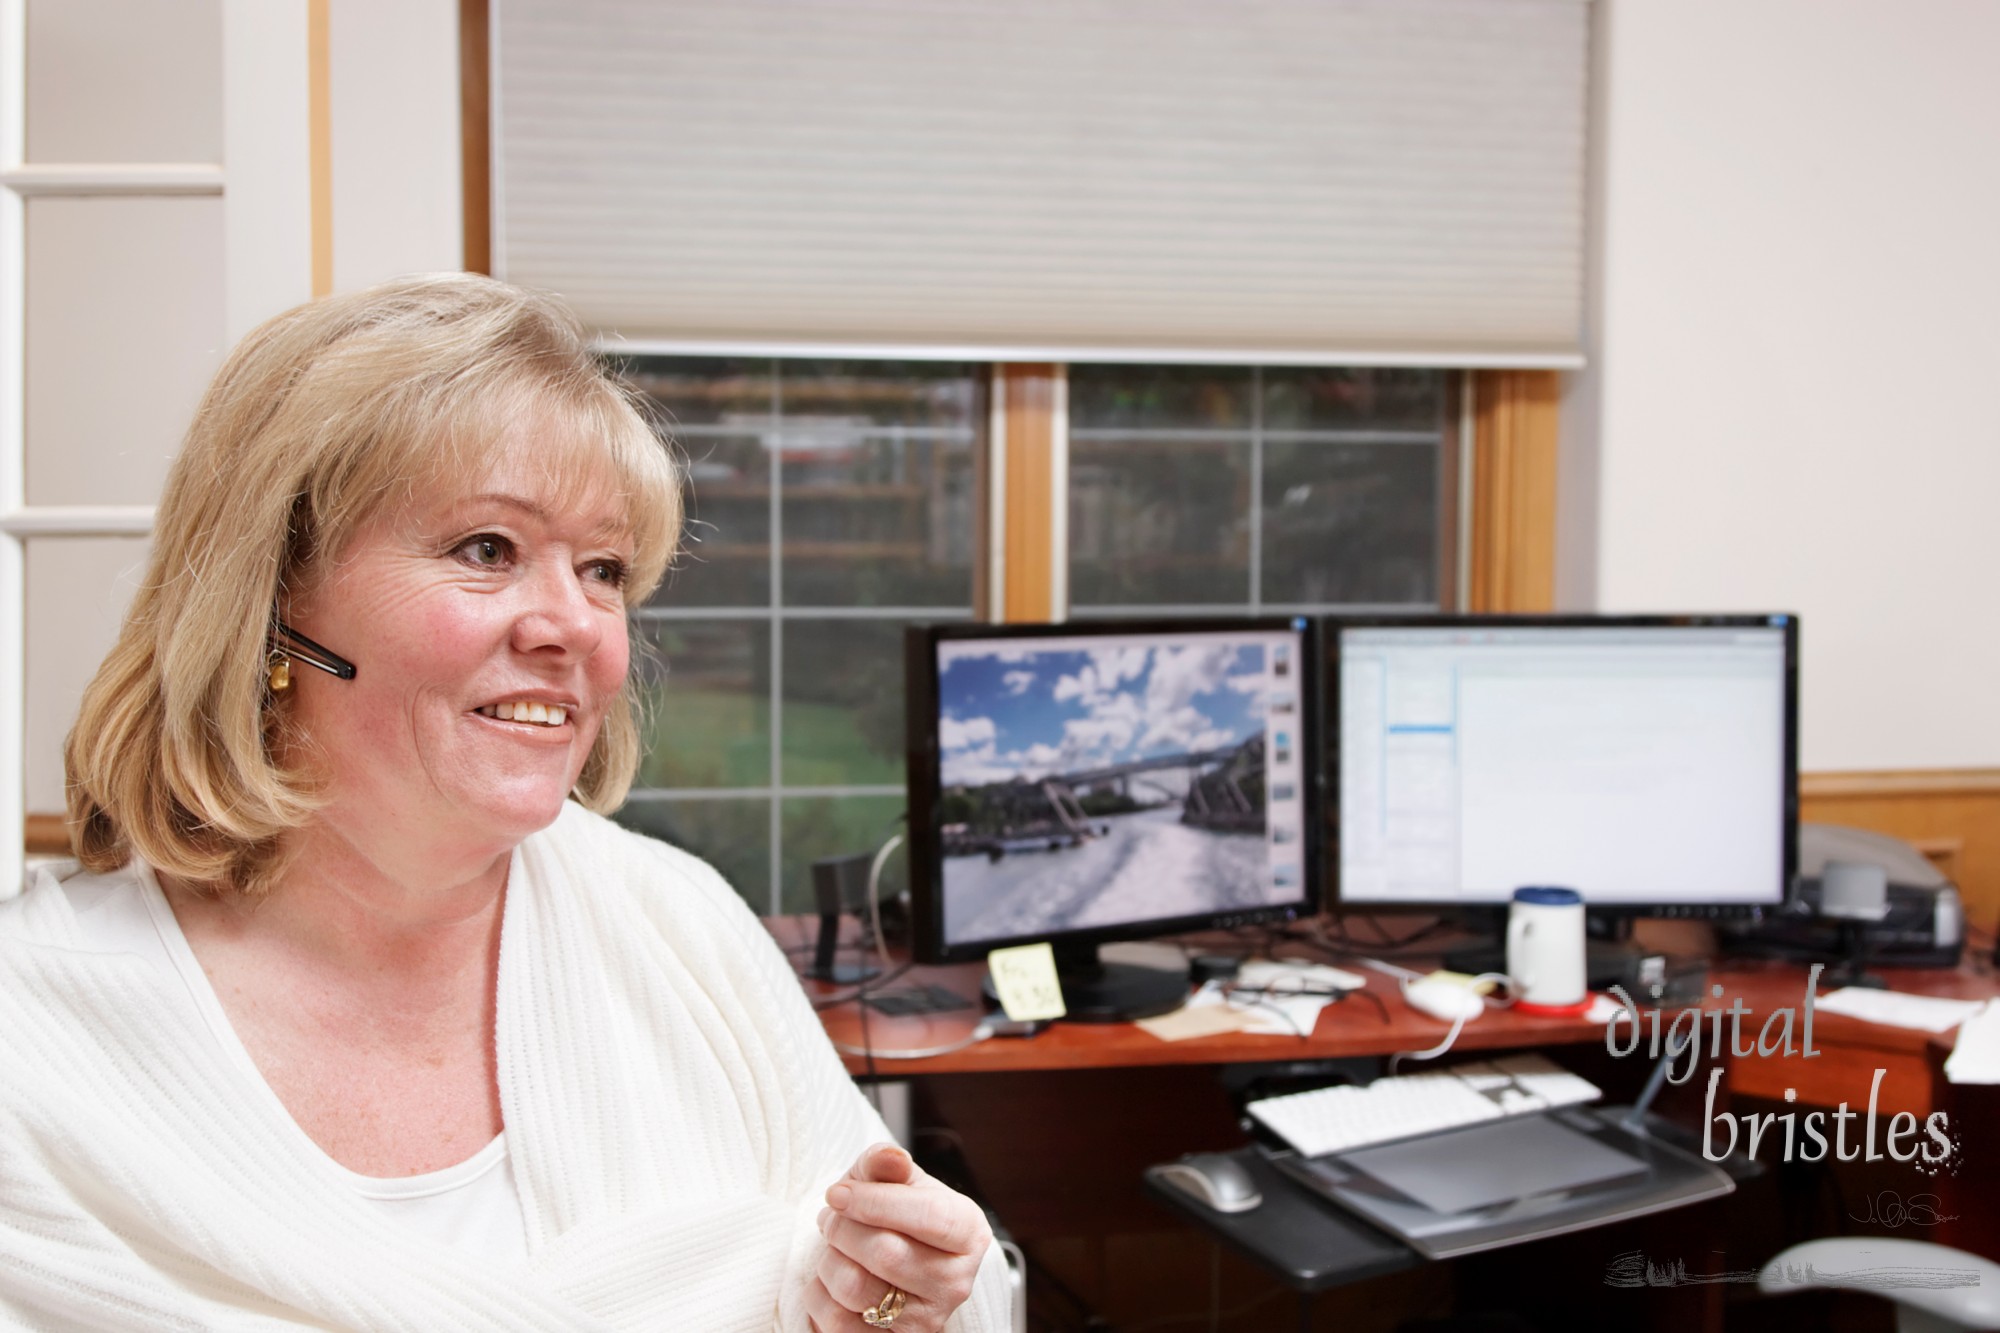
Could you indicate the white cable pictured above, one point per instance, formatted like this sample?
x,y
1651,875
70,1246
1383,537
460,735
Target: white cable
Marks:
x,y
979,1034
1434,1052
874,899
1457,1024
1386,969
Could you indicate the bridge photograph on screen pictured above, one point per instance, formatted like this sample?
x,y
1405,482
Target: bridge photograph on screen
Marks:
x,y
1086,784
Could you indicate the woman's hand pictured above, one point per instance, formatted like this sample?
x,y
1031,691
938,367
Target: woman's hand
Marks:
x,y
888,1225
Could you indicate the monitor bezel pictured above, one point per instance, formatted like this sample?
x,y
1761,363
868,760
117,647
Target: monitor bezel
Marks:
x,y
1331,652
924,761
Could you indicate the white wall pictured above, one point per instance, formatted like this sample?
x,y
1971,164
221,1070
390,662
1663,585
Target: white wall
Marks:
x,y
1790,403
131,303
392,89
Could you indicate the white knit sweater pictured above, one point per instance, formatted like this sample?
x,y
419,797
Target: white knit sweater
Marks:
x,y
673,1112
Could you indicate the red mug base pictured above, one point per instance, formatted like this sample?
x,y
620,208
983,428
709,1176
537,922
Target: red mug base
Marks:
x,y
1577,1010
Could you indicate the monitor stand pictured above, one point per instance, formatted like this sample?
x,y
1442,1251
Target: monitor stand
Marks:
x,y
1609,956
1095,991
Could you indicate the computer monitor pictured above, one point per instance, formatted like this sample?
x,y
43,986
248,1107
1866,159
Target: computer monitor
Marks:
x,y
1098,781
1648,762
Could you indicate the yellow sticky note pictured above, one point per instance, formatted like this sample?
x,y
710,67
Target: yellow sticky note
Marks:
x,y
1024,977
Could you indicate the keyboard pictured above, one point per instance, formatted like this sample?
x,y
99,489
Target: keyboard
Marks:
x,y
1336,1119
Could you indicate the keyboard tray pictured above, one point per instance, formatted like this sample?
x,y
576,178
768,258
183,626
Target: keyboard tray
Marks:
x,y
1662,1177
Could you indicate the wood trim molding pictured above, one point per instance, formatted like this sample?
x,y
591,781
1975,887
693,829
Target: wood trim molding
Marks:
x,y
475,110
48,835
319,142
1905,783
1951,815
1513,565
1031,396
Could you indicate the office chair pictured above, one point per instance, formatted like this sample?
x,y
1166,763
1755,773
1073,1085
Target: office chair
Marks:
x,y
1935,1288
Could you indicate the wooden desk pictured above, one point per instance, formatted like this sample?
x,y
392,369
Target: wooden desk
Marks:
x,y
1355,1027
1059,1144
1849,1050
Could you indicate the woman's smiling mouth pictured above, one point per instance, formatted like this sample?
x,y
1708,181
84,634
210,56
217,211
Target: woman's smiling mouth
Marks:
x,y
547,715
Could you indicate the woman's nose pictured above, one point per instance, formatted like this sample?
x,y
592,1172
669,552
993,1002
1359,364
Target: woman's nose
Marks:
x,y
557,614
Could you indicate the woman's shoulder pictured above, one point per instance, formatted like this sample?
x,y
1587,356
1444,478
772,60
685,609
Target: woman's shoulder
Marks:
x,y
656,875
68,906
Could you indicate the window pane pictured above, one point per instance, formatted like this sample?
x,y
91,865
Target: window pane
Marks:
x,y
725,557
1380,398
718,411
697,393
708,688
843,702
859,477
1178,397
877,492
1350,524
934,395
1154,521
1320,486
815,827
732,835
878,520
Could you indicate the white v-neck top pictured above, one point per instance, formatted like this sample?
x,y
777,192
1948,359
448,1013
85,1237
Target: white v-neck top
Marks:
x,y
473,1205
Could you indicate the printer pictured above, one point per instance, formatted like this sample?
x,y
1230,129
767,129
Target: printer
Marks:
x,y
1925,926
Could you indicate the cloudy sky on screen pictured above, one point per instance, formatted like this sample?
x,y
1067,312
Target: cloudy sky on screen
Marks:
x,y
1023,712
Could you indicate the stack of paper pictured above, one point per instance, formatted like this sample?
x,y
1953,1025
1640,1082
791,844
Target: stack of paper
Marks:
x,y
1976,1058
1896,1009
1265,998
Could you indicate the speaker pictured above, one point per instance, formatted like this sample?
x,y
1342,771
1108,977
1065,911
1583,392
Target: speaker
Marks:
x,y
1854,891
1856,894
840,885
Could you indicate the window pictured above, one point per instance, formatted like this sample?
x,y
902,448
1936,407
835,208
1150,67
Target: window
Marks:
x,y
832,502
829,503
1222,488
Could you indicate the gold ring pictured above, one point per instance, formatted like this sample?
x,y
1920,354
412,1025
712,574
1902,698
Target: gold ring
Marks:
x,y
883,1313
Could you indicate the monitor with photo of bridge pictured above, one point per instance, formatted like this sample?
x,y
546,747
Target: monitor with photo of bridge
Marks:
x,y
1079,783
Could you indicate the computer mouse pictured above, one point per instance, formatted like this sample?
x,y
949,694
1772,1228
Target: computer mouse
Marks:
x,y
1446,1001
1215,1179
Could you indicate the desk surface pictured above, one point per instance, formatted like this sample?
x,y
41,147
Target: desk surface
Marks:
x,y
1106,1102
1359,1026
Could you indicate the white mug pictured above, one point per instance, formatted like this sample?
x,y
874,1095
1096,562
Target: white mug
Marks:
x,y
1545,950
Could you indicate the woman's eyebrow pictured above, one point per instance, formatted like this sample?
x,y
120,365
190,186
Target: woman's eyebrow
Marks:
x,y
610,527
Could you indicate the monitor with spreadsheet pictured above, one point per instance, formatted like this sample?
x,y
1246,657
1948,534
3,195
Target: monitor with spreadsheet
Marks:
x,y
1650,763
1095,781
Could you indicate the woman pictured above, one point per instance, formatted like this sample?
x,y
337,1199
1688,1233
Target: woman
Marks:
x,y
355,1014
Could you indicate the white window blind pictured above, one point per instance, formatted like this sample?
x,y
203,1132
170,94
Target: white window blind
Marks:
x,y
1352,181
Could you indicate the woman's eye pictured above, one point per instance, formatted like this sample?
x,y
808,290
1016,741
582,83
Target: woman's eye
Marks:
x,y
485,551
610,573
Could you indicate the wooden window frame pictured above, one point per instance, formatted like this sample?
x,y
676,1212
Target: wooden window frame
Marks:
x,y
1512,484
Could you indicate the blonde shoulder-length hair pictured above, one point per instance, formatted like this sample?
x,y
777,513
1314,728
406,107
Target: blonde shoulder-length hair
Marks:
x,y
318,420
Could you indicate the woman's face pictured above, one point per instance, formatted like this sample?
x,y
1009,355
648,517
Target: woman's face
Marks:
x,y
457,613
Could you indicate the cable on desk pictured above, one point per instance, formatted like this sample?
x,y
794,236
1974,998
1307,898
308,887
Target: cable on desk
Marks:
x,y
890,971
874,893
1381,1007
873,983
868,1056
1331,933
1387,969
978,1034
1457,1024
1248,999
